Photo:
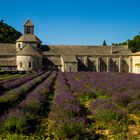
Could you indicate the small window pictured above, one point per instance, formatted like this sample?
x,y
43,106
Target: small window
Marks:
x,y
19,46
20,64
30,65
28,30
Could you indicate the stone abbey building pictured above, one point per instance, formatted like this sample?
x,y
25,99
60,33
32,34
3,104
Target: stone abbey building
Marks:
x,y
28,54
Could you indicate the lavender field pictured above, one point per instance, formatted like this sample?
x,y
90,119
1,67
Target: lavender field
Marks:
x,y
69,106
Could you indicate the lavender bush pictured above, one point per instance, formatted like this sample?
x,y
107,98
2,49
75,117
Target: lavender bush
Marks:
x,y
134,107
13,121
104,110
123,98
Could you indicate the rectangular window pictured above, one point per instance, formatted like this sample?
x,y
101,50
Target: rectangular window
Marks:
x,y
30,65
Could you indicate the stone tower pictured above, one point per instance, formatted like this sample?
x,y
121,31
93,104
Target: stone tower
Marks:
x,y
29,55
28,27
28,37
29,58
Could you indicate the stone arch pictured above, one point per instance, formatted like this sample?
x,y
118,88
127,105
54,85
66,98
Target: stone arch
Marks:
x,y
114,64
103,65
124,66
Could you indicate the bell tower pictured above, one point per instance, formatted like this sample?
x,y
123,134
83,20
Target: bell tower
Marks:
x,y
28,27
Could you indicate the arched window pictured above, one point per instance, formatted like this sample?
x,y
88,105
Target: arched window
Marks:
x,y
20,64
30,64
28,30
19,45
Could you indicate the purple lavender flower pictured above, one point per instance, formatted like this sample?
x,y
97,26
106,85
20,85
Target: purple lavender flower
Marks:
x,y
134,106
104,110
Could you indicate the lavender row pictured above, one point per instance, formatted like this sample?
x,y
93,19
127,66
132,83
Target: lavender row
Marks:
x,y
5,75
37,97
111,81
105,110
18,82
12,97
8,76
123,89
12,78
66,119
101,109
27,110
78,88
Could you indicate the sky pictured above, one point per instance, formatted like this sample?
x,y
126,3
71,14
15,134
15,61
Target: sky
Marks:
x,y
75,22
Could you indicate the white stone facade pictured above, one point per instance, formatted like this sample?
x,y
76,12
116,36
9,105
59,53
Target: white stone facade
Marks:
x,y
28,63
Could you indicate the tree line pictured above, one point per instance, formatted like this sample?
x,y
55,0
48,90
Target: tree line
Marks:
x,y
133,44
7,33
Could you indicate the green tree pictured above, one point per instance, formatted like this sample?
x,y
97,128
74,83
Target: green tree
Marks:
x,y
104,43
134,44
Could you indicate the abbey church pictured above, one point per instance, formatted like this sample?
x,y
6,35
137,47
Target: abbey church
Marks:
x,y
29,54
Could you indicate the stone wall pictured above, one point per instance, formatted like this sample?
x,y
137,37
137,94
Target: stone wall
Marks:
x,y
136,64
104,63
85,63
27,63
8,68
52,63
70,67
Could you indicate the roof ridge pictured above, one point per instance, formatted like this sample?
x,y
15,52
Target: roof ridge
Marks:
x,y
28,23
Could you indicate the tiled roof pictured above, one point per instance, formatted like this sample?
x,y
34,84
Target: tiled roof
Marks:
x,y
7,49
29,23
29,38
85,50
29,50
136,54
8,61
56,61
